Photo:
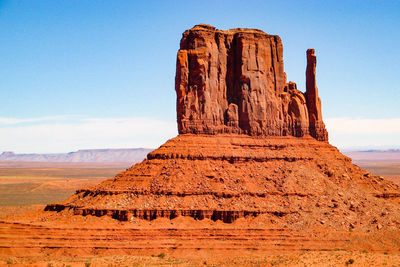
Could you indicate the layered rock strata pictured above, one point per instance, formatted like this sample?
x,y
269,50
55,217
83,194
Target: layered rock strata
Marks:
x,y
226,177
234,82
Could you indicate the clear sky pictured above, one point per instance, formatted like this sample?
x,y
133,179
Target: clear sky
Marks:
x,y
100,74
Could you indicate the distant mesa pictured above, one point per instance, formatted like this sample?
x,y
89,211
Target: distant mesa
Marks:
x,y
87,155
7,154
388,155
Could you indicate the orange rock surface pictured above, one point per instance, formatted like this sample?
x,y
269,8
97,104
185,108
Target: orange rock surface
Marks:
x,y
234,82
251,163
299,181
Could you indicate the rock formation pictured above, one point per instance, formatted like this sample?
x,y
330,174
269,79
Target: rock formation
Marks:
x,y
234,82
226,177
317,126
249,146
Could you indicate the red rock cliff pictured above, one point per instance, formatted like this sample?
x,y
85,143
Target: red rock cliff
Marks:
x,y
317,126
234,82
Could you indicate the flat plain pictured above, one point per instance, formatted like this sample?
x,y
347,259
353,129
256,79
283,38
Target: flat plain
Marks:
x,y
379,162
28,185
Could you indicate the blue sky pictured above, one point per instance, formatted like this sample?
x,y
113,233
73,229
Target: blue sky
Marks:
x,y
100,74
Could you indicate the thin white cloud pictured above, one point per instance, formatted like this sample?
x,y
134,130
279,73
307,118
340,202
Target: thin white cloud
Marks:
x,y
80,133
364,126
70,133
9,121
364,133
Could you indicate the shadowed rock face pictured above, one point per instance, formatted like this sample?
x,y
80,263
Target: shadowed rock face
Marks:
x,y
234,82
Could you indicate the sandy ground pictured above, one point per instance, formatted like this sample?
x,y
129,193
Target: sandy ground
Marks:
x,y
306,258
30,183
388,169
16,210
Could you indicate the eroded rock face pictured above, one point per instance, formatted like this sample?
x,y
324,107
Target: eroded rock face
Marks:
x,y
317,126
234,82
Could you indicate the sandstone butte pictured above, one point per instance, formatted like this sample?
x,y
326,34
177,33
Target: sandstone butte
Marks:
x,y
252,160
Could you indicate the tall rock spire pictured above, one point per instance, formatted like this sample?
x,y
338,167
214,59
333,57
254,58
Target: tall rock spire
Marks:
x,y
233,82
316,125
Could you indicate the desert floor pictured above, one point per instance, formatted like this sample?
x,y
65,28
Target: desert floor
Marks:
x,y
306,258
30,183
26,187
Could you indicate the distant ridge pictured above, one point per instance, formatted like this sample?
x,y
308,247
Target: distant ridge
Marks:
x,y
374,154
382,151
86,155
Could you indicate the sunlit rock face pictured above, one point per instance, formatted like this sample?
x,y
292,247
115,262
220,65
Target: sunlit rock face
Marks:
x,y
234,82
